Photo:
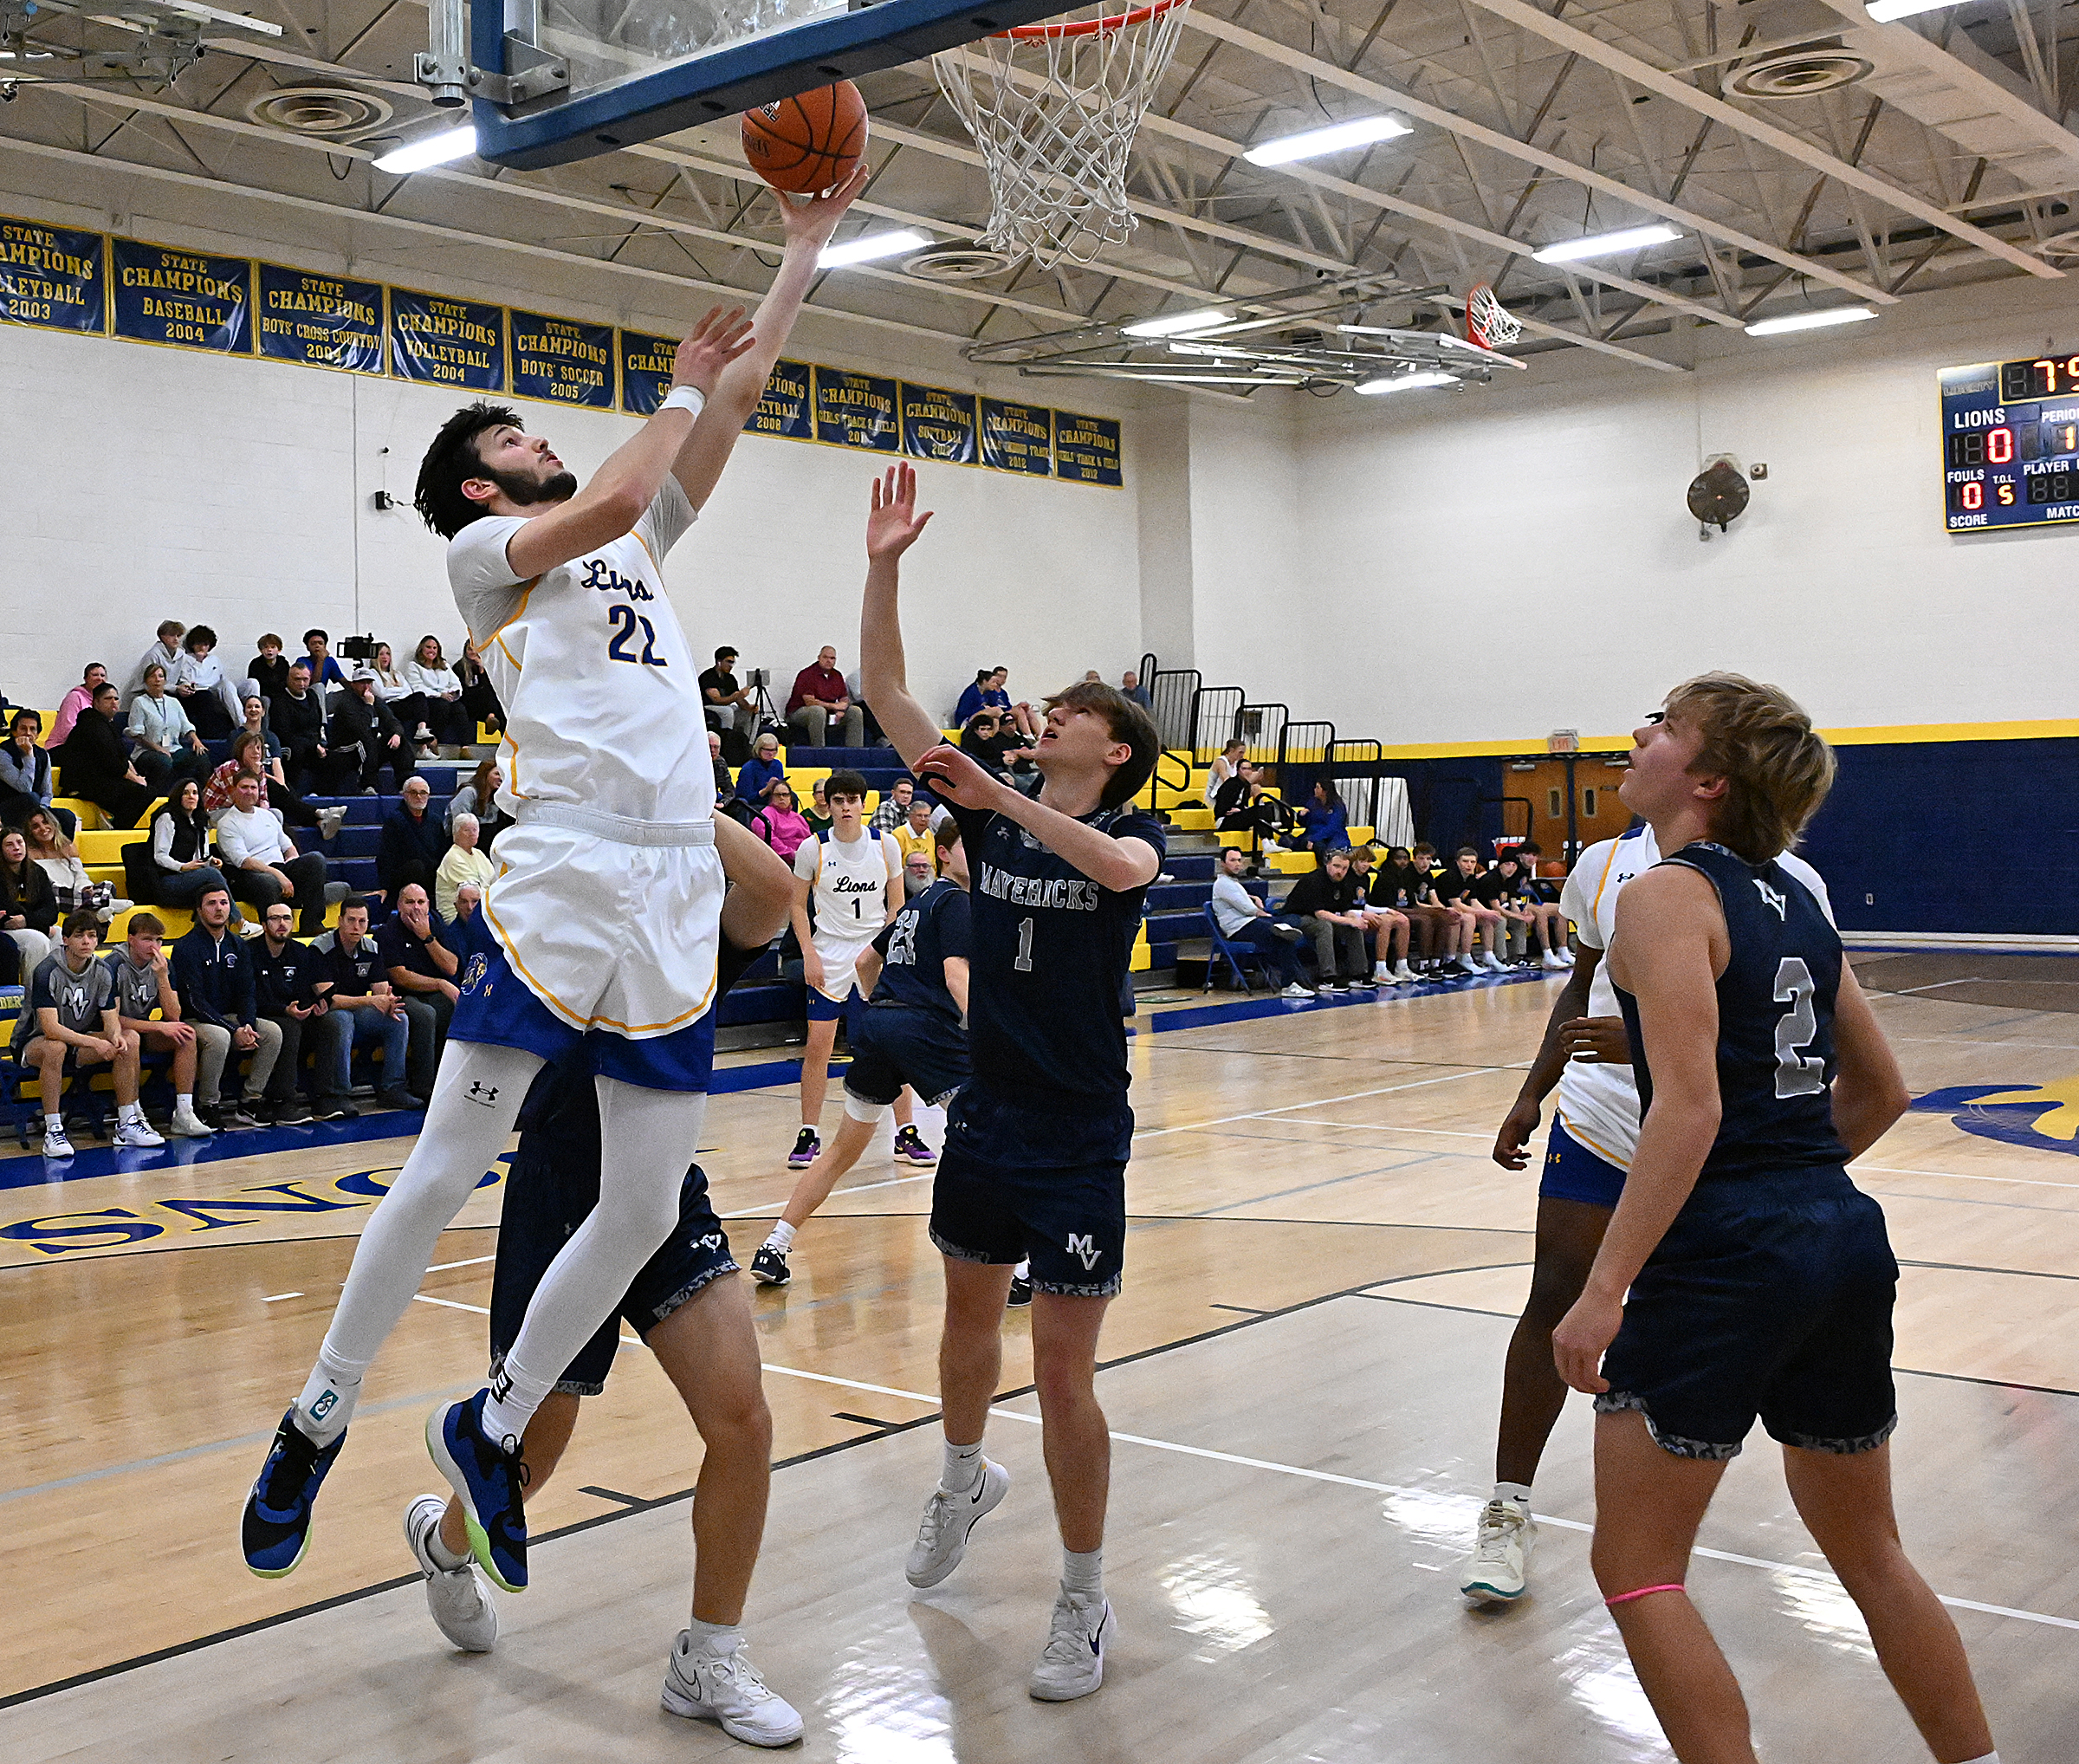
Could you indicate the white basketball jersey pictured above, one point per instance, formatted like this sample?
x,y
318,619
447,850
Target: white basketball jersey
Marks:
x,y
850,881
600,689
1599,1103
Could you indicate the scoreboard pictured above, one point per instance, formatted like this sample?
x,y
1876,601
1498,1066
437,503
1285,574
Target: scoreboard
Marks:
x,y
2010,443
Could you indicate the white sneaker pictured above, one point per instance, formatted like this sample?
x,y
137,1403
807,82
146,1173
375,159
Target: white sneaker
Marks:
x,y
187,1125
1553,960
1567,956
1499,1568
1071,1665
1405,975
942,1538
55,1145
137,1132
329,820
1296,990
1467,965
459,1600
710,1680
1494,964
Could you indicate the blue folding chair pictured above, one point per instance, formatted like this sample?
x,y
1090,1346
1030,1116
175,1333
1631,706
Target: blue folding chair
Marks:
x,y
1234,955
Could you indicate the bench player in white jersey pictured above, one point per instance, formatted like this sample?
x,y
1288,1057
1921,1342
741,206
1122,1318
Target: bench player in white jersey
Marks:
x,y
1594,1129
605,908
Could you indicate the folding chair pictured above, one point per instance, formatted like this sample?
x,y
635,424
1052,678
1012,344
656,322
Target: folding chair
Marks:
x,y
1234,955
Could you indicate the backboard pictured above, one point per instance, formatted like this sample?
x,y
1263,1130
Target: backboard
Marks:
x,y
607,74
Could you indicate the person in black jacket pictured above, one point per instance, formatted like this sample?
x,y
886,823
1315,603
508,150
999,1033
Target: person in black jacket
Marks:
x,y
361,720
270,668
413,843
1325,901
479,696
297,717
215,974
285,983
95,764
28,907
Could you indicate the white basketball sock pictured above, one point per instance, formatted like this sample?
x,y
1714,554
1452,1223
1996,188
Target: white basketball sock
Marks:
x,y
1084,1574
327,1403
782,1236
962,1468
1517,1492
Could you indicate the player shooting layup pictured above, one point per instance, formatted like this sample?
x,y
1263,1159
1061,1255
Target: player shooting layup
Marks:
x,y
605,907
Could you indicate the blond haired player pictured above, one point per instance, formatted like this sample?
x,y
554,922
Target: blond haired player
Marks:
x,y
604,910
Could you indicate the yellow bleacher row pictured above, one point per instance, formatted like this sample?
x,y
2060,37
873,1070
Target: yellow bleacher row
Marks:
x,y
1185,805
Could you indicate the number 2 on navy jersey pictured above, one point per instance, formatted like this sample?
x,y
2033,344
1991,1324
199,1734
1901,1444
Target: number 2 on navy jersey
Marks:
x,y
1797,1074
624,619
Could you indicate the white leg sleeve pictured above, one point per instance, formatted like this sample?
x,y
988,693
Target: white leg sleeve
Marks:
x,y
870,1113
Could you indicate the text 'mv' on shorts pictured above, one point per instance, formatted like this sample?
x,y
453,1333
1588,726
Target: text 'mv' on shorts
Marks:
x,y
897,1044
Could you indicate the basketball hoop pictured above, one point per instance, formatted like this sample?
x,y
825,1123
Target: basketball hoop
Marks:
x,y
1054,109
1490,323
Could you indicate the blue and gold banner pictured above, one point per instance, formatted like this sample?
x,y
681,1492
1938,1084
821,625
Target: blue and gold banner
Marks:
x,y
783,410
1017,437
187,299
1086,450
562,361
857,410
645,370
455,343
53,277
939,425
321,321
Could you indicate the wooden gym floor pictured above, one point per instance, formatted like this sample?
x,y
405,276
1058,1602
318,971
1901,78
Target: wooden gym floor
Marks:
x,y
1323,1272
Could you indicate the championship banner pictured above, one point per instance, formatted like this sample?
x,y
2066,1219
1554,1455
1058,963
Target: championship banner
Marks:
x,y
1086,450
562,361
856,409
52,277
783,408
645,370
321,321
1017,437
455,343
186,299
938,424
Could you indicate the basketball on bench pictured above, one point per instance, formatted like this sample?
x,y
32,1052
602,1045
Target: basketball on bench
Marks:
x,y
809,142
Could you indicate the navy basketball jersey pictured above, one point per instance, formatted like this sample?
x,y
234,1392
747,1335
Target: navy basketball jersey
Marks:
x,y
1051,951
913,947
1775,1022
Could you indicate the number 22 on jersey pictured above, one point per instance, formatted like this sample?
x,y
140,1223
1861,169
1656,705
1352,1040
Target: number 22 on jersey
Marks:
x,y
620,646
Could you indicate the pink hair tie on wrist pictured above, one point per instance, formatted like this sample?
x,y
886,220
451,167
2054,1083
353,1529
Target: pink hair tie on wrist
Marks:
x,y
1645,1592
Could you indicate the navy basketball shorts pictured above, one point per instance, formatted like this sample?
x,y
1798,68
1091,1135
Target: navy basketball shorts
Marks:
x,y
897,1044
539,1218
1572,1172
1769,1296
822,1009
1016,1181
497,1007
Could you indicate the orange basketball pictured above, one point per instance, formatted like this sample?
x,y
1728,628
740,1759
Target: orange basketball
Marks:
x,y
808,142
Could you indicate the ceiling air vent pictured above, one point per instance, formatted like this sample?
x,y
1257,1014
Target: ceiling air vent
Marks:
x,y
323,112
957,260
1803,72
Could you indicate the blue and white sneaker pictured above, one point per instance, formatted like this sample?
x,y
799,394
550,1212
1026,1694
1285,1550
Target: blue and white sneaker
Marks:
x,y
275,1529
488,1476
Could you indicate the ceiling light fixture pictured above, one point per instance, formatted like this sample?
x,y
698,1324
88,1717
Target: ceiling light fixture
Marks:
x,y
1809,321
1606,244
869,246
1360,131
1405,382
1883,11
1178,324
429,149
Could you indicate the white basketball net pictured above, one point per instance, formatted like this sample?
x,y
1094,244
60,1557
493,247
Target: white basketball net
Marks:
x,y
1054,109
1493,325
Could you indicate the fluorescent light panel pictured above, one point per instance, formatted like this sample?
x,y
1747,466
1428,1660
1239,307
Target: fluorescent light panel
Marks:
x,y
1607,244
1883,11
1809,321
1405,382
1177,324
429,149
867,247
1357,133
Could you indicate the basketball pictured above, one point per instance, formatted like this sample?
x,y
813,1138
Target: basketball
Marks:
x,y
809,142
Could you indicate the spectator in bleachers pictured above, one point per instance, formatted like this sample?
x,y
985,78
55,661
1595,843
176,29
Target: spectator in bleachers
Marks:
x,y
1378,906
463,865
479,797
1247,806
472,930
68,1012
914,834
75,702
144,983
779,822
285,994
442,713
1325,901
819,699
28,908
165,745
255,753
918,874
1130,687
725,789
1245,919
479,696
400,700
214,704
1324,821
816,810
165,651
349,967
59,858
986,693
894,808
759,770
413,842
298,721
423,971
992,746
362,723
96,764
1225,764
217,978
261,861
731,709
182,862
269,670
325,669
28,781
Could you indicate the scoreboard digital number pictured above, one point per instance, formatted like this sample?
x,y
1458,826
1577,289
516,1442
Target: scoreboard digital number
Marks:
x,y
2010,443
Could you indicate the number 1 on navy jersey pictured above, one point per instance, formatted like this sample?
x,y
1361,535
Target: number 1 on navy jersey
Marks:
x,y
1024,962
624,619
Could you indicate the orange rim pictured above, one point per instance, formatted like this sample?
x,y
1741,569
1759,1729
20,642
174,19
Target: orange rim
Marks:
x,y
1089,27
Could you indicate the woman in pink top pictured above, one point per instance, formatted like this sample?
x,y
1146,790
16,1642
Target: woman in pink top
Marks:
x,y
780,823
73,702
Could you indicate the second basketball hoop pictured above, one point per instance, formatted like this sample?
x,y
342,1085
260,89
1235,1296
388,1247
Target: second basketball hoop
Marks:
x,y
1488,323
